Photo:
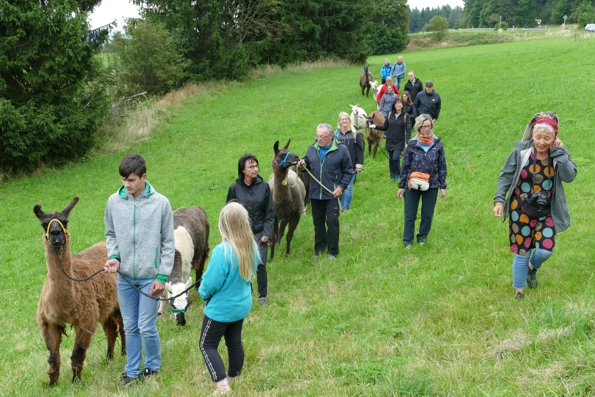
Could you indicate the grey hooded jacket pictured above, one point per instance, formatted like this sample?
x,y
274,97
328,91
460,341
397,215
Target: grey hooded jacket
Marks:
x,y
565,171
140,233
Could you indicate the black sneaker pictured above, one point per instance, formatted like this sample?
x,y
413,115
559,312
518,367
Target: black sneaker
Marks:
x,y
126,380
519,295
532,278
148,372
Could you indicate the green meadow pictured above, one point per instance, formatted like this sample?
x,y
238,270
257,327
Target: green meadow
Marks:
x,y
439,320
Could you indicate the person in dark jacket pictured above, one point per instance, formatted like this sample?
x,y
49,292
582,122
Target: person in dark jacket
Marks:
x,y
535,169
413,85
397,135
328,160
424,154
408,102
254,194
427,102
353,140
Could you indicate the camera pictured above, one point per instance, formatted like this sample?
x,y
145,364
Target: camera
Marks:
x,y
539,199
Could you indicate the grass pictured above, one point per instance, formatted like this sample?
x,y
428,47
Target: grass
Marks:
x,y
439,320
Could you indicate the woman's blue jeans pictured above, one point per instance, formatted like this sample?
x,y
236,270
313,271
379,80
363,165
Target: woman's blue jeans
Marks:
x,y
520,265
139,314
347,195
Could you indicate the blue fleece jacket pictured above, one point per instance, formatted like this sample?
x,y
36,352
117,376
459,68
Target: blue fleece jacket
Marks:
x,y
229,295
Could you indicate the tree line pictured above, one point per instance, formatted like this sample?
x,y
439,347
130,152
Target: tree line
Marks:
x,y
56,89
520,13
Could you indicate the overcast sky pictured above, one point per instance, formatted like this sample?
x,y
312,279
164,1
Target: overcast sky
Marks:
x,y
109,10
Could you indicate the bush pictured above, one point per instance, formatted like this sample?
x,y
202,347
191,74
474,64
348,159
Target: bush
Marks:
x,y
502,25
149,59
438,26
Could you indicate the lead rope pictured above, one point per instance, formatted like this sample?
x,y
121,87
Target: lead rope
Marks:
x,y
324,187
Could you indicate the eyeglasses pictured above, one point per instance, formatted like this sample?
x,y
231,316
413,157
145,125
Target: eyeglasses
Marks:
x,y
322,136
426,126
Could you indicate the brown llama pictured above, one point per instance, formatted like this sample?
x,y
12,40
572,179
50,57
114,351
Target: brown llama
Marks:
x,y
191,231
81,304
374,136
288,195
365,79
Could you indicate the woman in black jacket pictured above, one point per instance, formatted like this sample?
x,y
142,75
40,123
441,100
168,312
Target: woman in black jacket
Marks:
x,y
397,135
254,194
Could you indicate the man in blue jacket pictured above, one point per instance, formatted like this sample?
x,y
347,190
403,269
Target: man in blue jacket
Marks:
x,y
139,232
329,161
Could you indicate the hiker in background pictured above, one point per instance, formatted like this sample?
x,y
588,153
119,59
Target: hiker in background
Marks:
x,y
397,135
385,70
398,72
382,90
428,102
354,142
413,85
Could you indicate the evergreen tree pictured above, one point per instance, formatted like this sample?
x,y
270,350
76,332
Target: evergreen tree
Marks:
x,y
50,105
585,13
562,7
525,13
391,27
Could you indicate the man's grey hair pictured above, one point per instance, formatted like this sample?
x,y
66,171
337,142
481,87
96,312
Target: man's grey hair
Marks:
x,y
328,127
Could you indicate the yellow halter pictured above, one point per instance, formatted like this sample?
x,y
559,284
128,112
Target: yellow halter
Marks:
x,y
47,231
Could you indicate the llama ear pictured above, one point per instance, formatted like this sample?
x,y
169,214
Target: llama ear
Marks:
x,y
38,212
276,147
287,144
70,206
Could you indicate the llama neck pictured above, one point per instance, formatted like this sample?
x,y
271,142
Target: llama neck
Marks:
x,y
281,192
60,286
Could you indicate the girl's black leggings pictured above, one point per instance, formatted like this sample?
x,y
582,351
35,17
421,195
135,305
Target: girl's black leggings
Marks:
x,y
210,336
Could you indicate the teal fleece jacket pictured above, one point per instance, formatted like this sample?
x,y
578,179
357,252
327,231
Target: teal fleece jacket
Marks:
x,y
140,233
228,295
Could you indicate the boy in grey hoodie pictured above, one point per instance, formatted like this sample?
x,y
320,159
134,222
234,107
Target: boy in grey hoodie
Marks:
x,y
140,242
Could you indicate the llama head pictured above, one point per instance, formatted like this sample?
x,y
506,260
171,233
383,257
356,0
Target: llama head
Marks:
x,y
180,304
55,225
283,157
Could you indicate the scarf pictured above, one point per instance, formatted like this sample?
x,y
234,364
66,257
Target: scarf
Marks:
x,y
425,140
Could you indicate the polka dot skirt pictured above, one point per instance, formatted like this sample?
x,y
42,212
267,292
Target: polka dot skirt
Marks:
x,y
525,232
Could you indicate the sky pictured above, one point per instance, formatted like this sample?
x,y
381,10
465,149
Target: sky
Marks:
x,y
109,10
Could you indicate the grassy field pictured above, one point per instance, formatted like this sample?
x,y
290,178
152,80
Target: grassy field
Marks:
x,y
439,320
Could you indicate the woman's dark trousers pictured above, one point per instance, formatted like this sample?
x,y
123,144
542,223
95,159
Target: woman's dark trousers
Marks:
x,y
428,203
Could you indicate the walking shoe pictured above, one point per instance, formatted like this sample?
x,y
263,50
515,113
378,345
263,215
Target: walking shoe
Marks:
x,y
421,241
126,380
519,295
263,301
148,372
222,387
408,246
331,257
532,278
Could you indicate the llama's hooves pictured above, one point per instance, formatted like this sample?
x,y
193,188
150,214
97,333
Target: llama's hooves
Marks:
x,y
52,381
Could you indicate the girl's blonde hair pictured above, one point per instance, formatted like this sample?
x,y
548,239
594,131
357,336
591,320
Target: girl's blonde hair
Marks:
x,y
339,121
234,226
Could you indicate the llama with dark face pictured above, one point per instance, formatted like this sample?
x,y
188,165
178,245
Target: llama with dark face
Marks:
x,y
191,231
288,195
81,304
365,79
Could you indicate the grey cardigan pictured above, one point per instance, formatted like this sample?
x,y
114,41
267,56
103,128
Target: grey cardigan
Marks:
x,y
140,233
565,171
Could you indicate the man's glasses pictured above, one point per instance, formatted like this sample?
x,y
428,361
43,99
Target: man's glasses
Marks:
x,y
426,126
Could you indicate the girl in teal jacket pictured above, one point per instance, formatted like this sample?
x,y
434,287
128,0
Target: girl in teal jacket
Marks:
x,y
226,288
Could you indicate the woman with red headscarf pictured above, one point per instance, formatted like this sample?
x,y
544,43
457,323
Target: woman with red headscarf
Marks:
x,y
536,203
